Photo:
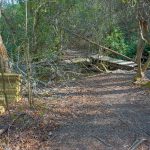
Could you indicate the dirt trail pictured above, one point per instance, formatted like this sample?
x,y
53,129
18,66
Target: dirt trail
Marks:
x,y
108,113
103,112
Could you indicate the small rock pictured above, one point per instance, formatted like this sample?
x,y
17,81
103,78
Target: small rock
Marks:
x,y
50,133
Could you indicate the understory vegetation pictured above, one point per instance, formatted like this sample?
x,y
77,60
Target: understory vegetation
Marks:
x,y
50,28
47,28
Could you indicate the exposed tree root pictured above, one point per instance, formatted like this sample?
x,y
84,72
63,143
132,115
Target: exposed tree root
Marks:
x,y
141,80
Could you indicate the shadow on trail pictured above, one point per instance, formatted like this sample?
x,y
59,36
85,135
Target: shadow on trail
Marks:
x,y
113,122
101,93
117,114
116,127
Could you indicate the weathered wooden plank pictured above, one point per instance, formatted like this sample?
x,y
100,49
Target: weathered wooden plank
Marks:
x,y
77,60
110,60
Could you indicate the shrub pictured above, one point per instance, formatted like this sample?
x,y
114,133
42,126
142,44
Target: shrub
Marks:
x,y
116,41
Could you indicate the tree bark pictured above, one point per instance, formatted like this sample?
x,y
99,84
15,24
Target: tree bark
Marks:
x,y
4,57
145,38
140,48
146,65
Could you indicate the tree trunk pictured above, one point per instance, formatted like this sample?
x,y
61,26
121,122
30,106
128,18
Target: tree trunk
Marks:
x,y
146,65
4,56
144,38
140,48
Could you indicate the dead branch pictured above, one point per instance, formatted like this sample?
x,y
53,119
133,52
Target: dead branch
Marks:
x,y
98,69
137,143
7,127
94,43
102,141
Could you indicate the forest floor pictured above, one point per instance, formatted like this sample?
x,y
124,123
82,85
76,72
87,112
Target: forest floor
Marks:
x,y
101,112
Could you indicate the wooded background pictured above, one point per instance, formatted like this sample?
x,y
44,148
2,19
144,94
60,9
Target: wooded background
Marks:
x,y
42,30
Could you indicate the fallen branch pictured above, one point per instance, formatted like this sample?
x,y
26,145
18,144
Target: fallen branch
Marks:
x,y
102,141
137,143
4,129
100,70
94,43
25,75
74,72
7,127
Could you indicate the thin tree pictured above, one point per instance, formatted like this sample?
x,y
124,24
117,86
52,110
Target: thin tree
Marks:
x,y
27,54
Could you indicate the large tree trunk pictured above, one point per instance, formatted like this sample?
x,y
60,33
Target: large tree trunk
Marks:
x,y
143,39
4,66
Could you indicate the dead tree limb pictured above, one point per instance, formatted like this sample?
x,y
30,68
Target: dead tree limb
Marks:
x,y
7,127
102,141
137,143
94,43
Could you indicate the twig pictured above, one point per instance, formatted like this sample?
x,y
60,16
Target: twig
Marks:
x,y
102,141
96,67
136,143
74,72
106,70
7,127
127,123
